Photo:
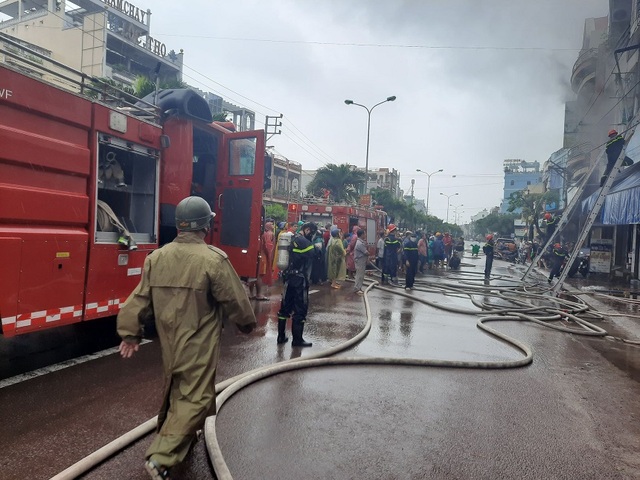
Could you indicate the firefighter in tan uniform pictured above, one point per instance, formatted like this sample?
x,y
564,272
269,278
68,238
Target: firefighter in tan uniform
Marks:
x,y
188,287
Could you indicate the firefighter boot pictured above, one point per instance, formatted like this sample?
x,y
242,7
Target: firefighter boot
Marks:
x,y
282,337
298,341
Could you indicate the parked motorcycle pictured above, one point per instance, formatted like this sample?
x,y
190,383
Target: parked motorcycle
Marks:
x,y
581,263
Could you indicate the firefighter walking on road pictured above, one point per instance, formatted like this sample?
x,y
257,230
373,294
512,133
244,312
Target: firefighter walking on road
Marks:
x,y
488,251
410,257
557,256
390,261
188,287
295,296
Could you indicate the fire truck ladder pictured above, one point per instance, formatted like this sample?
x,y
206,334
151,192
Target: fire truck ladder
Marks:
x,y
591,217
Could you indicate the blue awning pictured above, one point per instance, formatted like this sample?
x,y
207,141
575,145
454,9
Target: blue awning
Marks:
x,y
622,204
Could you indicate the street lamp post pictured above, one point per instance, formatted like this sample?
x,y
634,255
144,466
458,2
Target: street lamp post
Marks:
x,y
455,212
429,183
369,110
448,201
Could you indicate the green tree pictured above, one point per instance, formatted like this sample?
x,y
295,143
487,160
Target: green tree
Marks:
x,y
494,222
276,211
341,180
532,205
406,216
143,86
220,117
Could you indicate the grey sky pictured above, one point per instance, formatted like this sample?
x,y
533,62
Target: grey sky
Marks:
x,y
459,108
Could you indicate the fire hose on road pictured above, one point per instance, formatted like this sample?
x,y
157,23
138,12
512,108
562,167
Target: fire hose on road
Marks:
x,y
520,302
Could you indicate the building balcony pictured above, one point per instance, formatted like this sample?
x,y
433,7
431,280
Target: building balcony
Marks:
x,y
584,70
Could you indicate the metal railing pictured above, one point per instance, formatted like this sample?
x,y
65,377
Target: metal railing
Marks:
x,y
32,63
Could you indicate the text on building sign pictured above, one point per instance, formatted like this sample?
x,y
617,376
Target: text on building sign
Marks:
x,y
156,47
5,93
128,9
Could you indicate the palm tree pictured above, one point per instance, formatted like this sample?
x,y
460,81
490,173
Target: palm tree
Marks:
x,y
342,181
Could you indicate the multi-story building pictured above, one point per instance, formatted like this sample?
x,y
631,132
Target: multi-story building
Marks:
x,y
554,177
108,38
587,118
387,179
518,175
286,180
605,81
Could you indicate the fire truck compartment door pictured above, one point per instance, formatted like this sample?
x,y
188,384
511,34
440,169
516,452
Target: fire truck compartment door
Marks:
x,y
237,226
10,256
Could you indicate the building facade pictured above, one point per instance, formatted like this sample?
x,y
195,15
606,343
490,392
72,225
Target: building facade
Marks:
x,y
110,39
518,175
286,180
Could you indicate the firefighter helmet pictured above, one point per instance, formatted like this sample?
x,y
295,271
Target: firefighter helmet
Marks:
x,y
613,132
392,228
490,237
547,216
557,245
311,226
193,214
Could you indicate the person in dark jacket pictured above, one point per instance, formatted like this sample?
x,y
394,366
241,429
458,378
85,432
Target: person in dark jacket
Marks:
x,y
390,262
295,296
410,259
438,251
558,255
488,251
551,222
614,147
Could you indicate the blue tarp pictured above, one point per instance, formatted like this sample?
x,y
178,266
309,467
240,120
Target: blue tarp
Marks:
x,y
622,204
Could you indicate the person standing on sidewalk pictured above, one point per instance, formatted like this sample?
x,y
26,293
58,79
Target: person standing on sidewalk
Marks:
x,y
410,257
488,251
295,296
188,288
361,257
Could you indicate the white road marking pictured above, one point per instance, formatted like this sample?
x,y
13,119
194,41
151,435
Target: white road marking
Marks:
x,y
313,291
59,366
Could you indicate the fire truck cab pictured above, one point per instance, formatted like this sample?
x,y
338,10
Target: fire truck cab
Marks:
x,y
88,190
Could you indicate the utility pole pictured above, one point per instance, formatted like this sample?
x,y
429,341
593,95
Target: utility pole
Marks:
x,y
272,126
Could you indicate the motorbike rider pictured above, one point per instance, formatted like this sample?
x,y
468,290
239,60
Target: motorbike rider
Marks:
x,y
295,296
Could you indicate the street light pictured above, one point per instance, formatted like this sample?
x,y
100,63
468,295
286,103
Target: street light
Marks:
x,y
455,212
369,110
448,202
429,183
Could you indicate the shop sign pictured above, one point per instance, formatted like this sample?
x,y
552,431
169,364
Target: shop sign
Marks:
x,y
128,9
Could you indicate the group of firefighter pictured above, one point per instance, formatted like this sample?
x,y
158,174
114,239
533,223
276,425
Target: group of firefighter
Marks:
x,y
415,252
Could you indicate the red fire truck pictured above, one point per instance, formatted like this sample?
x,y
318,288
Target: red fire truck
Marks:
x,y
88,190
345,217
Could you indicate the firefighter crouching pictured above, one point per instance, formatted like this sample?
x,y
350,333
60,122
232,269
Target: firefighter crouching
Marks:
x,y
295,296
187,287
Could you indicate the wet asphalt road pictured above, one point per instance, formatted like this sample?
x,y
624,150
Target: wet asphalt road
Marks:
x,y
573,413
